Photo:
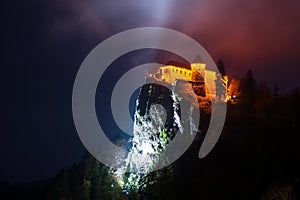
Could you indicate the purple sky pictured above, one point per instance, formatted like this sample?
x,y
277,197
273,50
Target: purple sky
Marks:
x,y
261,34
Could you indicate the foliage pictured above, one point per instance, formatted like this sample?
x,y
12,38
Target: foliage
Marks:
x,y
220,87
221,68
247,92
257,157
280,191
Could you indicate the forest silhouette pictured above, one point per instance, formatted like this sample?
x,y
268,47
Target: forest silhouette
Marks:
x,y
257,157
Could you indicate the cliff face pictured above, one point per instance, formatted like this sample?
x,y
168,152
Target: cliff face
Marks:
x,y
155,125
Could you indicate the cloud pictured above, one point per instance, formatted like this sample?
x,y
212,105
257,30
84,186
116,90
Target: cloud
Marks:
x,y
262,35
258,34
69,17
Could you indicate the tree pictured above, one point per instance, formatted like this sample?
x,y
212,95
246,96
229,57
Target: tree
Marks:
x,y
295,97
263,102
233,89
220,65
61,186
280,191
247,95
85,190
276,90
220,87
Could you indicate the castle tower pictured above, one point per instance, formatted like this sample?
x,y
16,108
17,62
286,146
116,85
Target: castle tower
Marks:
x,y
198,69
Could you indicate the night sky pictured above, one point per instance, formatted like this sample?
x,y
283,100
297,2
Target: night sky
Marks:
x,y
44,43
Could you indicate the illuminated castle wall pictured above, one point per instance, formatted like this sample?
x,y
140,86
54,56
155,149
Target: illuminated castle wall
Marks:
x,y
171,73
197,73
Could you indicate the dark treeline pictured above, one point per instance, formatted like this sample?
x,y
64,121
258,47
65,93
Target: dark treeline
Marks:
x,y
258,154
257,157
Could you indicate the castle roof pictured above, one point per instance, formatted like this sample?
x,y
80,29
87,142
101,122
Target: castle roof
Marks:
x,y
179,64
198,59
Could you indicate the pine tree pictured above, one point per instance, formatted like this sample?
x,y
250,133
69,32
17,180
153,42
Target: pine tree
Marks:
x,y
276,90
220,87
247,95
61,188
220,65
263,102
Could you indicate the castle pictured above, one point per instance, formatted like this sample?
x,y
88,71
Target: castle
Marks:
x,y
193,73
